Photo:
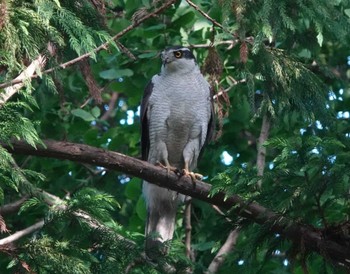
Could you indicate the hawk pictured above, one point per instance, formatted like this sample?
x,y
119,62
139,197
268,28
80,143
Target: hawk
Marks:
x,y
177,120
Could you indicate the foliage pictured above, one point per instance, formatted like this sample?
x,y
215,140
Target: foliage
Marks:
x,y
285,60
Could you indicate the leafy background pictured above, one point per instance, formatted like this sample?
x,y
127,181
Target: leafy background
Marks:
x,y
282,62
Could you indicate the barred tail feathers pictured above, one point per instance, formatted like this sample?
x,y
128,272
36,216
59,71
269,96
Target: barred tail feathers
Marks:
x,y
161,206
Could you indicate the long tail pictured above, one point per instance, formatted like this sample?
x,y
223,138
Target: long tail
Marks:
x,y
161,214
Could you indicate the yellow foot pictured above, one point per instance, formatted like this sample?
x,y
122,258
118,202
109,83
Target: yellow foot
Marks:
x,y
194,176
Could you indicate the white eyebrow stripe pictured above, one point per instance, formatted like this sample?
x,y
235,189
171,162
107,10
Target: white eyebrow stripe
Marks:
x,y
183,49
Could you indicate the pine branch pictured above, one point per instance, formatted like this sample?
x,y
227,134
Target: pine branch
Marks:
x,y
311,238
57,204
99,48
85,217
53,200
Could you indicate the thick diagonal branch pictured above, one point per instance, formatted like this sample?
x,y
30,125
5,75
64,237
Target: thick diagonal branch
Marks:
x,y
311,238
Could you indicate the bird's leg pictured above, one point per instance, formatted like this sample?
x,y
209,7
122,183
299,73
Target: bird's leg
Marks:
x,y
167,166
194,176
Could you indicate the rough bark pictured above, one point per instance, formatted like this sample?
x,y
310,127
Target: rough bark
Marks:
x,y
306,236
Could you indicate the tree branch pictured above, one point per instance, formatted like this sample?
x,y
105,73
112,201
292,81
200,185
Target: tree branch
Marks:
x,y
311,238
19,234
111,106
215,23
261,150
55,203
226,248
12,207
103,46
18,82
188,228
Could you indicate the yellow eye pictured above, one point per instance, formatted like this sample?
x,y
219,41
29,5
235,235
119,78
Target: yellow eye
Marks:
x,y
178,54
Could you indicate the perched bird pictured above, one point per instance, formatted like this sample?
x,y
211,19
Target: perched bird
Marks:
x,y
177,121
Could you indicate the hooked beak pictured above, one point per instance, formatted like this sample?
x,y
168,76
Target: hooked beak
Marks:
x,y
166,59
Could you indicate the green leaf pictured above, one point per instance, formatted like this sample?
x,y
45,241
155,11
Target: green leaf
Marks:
x,y
347,12
133,189
112,74
147,55
305,53
203,246
96,112
141,208
320,39
83,114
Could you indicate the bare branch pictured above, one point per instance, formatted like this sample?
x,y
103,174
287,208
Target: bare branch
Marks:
x,y
188,228
101,47
18,82
261,149
19,234
230,43
12,207
226,248
234,83
206,15
218,210
111,106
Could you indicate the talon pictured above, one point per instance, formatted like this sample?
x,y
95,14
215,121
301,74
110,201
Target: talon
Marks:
x,y
194,176
168,167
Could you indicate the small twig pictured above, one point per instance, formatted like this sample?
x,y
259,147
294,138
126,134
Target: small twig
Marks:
x,y
218,210
111,106
235,83
86,102
216,23
261,149
188,228
126,51
101,47
226,248
230,43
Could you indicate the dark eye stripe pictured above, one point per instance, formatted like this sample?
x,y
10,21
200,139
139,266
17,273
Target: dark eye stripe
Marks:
x,y
186,52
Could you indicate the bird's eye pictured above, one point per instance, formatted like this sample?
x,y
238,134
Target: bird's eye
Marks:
x,y
178,54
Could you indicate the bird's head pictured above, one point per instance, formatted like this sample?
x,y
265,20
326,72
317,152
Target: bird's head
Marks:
x,y
178,59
